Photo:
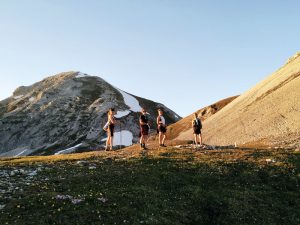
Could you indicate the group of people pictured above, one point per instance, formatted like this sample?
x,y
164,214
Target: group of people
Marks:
x,y
145,129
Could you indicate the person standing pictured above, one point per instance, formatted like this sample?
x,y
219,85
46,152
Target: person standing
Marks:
x,y
197,126
144,127
161,128
109,128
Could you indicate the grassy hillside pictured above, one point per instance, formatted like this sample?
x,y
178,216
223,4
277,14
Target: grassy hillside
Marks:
x,y
184,124
169,186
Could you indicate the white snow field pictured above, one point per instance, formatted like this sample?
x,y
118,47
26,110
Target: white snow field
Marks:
x,y
80,74
121,114
18,97
123,138
69,150
131,101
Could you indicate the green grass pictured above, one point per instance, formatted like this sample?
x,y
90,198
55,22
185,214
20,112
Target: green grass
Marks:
x,y
169,187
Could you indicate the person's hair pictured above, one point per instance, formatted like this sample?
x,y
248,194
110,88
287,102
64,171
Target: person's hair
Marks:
x,y
196,114
110,111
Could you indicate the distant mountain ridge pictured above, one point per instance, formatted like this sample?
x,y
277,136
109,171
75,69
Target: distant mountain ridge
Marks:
x,y
184,124
66,112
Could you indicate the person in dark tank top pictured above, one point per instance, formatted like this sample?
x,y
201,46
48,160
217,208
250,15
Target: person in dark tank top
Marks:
x,y
197,126
144,128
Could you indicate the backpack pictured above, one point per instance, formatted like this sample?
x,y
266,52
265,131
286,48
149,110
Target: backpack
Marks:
x,y
197,123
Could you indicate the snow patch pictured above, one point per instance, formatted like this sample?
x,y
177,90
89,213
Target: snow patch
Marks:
x,y
80,75
21,153
131,101
18,97
123,138
177,117
69,150
104,139
122,113
32,99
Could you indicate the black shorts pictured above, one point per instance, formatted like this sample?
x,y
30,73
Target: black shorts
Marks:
x,y
197,130
110,130
144,129
161,129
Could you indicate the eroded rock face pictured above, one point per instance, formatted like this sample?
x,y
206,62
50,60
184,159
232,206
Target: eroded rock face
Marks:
x,y
66,110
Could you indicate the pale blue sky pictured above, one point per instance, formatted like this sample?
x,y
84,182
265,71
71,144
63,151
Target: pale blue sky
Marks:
x,y
186,54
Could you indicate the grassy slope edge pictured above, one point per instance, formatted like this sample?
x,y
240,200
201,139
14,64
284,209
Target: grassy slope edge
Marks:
x,y
167,186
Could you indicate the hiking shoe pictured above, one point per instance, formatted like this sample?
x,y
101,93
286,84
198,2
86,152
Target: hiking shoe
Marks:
x,y
144,153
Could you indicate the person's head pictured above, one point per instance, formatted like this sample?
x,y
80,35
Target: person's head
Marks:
x,y
143,111
160,112
111,112
196,115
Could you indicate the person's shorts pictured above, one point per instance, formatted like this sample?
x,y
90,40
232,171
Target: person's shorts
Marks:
x,y
197,130
162,129
144,130
110,130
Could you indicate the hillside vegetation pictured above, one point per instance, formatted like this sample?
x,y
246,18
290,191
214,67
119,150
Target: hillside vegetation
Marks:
x,y
177,185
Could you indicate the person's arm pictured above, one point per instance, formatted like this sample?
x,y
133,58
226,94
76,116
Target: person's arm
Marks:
x,y
141,122
112,120
106,126
200,123
158,120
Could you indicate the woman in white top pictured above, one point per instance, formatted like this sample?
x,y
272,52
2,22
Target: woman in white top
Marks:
x,y
109,128
161,128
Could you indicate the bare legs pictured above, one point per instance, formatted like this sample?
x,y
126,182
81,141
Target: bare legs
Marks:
x,y
198,139
109,143
143,141
162,137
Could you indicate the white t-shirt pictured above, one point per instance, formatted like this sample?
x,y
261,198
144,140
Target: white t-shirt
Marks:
x,y
162,120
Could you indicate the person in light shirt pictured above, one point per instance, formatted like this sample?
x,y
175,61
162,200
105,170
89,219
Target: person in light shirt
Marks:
x,y
161,128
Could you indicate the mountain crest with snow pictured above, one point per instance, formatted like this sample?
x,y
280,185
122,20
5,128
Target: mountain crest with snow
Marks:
x,y
66,112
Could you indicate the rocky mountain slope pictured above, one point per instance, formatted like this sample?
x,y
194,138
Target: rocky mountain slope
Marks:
x,y
66,112
269,113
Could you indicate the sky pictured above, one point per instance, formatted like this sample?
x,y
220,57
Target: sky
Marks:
x,y
185,54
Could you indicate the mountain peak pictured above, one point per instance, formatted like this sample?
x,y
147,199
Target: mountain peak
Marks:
x,y
67,111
